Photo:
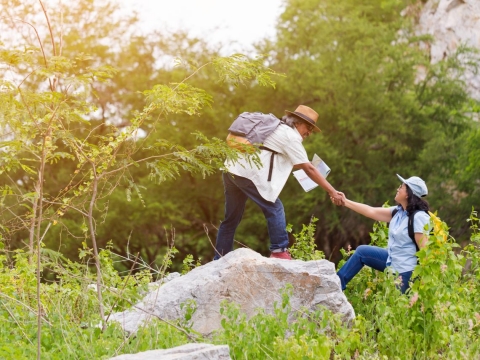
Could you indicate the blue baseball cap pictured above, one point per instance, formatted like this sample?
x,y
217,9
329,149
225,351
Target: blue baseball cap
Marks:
x,y
417,185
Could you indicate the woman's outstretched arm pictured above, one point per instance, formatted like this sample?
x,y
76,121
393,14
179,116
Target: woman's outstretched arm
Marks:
x,y
375,213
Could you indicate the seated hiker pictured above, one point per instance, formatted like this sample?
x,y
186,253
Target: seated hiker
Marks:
x,y
400,253
243,181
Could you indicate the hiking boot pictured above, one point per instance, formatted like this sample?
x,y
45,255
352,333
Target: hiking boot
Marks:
x,y
285,255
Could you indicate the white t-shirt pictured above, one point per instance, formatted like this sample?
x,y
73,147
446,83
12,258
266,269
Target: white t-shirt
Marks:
x,y
287,142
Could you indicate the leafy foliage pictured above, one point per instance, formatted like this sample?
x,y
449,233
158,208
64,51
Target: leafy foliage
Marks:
x,y
438,318
384,109
304,245
103,143
264,335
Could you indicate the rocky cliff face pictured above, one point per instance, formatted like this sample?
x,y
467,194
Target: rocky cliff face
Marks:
x,y
453,23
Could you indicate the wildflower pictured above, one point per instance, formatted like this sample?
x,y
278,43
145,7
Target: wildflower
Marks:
x,y
443,268
414,299
470,324
477,316
349,248
367,292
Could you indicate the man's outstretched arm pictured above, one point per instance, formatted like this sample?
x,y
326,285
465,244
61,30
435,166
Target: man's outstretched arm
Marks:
x,y
313,173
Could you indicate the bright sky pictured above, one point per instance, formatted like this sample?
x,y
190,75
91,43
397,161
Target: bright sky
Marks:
x,y
242,21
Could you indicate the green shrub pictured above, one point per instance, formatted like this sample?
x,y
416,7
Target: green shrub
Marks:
x,y
438,318
304,247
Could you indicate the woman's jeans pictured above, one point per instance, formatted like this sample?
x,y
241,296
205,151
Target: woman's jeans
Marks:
x,y
237,190
373,257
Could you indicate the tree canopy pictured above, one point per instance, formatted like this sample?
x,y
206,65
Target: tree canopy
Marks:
x,y
384,109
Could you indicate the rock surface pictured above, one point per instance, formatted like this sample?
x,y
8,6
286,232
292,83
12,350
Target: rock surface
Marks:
x,y
184,352
246,278
452,23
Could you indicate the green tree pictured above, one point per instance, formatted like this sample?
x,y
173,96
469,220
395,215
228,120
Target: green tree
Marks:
x,y
141,62
360,65
41,119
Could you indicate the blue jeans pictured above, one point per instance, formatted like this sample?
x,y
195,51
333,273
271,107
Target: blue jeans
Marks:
x,y
237,191
373,257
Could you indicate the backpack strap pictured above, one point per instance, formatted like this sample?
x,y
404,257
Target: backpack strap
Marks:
x,y
411,232
393,213
270,170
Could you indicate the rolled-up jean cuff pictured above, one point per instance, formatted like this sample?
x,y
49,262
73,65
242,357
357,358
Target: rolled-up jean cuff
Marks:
x,y
279,250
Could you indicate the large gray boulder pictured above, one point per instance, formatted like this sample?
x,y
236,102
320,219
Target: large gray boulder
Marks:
x,y
184,352
246,278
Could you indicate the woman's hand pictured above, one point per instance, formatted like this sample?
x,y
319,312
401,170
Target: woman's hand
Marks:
x,y
338,199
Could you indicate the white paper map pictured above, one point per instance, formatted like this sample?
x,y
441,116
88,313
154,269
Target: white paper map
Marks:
x,y
307,183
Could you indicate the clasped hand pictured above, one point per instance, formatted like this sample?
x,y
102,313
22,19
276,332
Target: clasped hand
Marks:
x,y
338,198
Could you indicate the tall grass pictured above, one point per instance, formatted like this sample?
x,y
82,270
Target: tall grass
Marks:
x,y
439,318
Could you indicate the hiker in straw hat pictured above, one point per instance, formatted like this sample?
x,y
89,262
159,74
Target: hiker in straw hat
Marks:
x,y
243,180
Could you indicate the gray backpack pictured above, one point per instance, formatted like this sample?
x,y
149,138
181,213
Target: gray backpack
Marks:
x,y
251,129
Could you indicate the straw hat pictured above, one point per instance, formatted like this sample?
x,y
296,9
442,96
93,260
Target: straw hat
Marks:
x,y
306,114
